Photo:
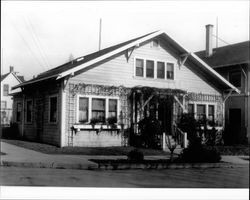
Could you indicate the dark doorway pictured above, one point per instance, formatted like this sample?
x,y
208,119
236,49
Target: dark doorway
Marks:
x,y
234,125
39,119
165,115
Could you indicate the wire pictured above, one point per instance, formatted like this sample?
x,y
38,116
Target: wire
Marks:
x,y
27,44
39,43
221,39
35,42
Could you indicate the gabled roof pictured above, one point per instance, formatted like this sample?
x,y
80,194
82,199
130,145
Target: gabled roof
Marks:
x,y
228,55
19,78
85,61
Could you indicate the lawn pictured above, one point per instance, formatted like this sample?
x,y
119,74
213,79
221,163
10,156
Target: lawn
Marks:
x,y
50,149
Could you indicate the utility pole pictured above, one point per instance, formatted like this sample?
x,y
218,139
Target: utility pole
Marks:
x,y
100,33
217,32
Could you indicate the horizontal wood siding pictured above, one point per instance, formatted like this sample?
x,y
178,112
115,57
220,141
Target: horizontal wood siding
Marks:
x,y
50,131
118,71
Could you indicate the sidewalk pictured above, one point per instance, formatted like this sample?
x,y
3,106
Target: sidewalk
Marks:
x,y
21,157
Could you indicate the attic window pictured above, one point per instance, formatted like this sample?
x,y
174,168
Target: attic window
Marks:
x,y
155,43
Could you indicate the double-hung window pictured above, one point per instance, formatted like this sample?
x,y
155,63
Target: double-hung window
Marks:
x,y
3,104
139,67
18,112
5,90
150,69
29,111
191,109
211,113
201,111
83,109
161,70
113,108
170,71
53,109
98,109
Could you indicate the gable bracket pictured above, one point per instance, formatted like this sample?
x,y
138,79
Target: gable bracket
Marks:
x,y
227,96
129,52
182,105
183,59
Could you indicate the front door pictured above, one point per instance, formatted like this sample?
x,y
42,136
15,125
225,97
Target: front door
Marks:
x,y
165,115
234,125
39,118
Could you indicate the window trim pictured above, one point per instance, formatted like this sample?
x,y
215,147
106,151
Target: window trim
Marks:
x,y
26,111
52,96
7,91
90,97
19,102
195,103
5,106
155,69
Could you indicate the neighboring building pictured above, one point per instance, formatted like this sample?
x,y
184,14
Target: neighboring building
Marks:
x,y
122,83
7,81
232,62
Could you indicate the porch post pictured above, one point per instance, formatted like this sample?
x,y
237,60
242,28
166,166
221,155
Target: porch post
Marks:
x,y
63,115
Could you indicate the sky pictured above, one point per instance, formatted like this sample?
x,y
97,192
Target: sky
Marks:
x,y
40,35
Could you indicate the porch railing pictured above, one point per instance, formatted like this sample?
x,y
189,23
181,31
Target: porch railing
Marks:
x,y
180,137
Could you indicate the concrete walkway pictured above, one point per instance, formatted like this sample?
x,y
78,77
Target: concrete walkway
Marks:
x,y
21,157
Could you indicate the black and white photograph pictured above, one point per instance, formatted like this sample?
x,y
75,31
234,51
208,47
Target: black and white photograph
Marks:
x,y
125,100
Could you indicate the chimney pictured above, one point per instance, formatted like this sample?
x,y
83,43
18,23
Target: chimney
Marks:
x,y
11,69
209,40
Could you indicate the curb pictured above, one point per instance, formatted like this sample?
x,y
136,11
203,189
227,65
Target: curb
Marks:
x,y
127,166
118,166
52,165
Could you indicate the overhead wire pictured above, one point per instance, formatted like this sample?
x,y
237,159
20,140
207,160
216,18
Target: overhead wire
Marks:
x,y
35,42
27,44
221,39
39,43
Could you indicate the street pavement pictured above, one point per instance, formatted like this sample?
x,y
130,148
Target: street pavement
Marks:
x,y
166,178
236,176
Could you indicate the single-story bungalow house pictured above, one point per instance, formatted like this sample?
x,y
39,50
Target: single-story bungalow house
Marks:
x,y
96,99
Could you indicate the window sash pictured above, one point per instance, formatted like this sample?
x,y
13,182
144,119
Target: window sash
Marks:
x,y
53,109
3,104
98,109
83,109
112,108
139,67
5,89
191,108
211,112
28,111
149,69
161,70
201,111
19,112
170,71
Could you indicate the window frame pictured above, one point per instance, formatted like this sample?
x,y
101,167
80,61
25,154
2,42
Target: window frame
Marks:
x,y
167,71
26,111
50,97
90,97
146,75
5,105
207,104
19,102
155,61
4,91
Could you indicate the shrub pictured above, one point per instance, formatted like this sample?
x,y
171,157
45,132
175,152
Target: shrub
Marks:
x,y
199,153
10,132
135,156
150,130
